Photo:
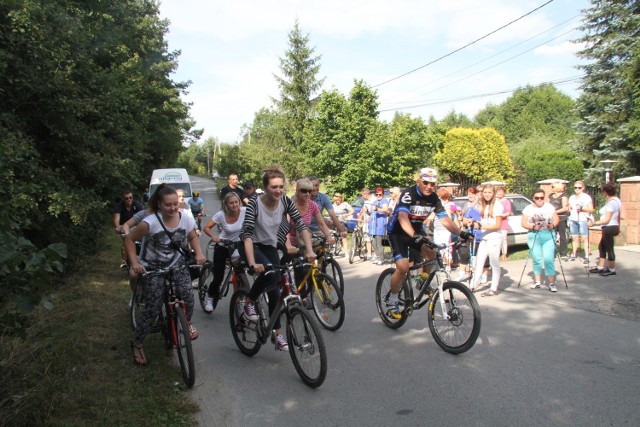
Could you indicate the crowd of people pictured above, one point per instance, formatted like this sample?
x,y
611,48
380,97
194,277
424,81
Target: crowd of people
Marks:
x,y
265,223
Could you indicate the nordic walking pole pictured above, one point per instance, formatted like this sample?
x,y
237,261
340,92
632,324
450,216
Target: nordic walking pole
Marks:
x,y
528,256
560,262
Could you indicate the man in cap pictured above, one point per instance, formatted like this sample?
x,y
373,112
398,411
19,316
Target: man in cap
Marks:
x,y
405,230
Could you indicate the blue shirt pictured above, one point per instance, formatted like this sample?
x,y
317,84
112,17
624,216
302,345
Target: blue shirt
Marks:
x,y
378,220
474,214
324,203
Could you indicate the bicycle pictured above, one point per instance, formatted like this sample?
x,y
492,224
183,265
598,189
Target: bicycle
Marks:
x,y
336,248
357,247
172,321
454,314
235,273
326,298
306,345
324,257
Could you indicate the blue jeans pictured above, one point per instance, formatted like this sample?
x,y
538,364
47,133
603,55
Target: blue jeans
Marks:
x,y
542,245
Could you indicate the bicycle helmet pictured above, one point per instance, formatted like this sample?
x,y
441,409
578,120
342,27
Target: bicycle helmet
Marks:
x,y
196,194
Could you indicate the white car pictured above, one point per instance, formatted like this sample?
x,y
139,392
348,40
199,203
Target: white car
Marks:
x,y
517,235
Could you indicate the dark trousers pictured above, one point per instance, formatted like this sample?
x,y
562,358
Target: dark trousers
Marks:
x,y
265,254
606,242
561,229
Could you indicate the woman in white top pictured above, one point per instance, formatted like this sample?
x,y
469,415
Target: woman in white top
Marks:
x,y
581,206
229,221
490,222
540,219
610,222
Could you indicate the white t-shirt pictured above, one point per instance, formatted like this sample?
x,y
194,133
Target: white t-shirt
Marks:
x,y
230,231
267,224
487,220
574,201
156,251
542,216
613,206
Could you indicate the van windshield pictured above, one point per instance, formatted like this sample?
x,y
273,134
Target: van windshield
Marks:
x,y
184,186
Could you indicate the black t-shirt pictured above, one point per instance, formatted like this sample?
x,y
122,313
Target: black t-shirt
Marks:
x,y
417,206
238,190
127,214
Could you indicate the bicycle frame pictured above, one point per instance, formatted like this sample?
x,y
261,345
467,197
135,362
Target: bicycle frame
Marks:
x,y
287,297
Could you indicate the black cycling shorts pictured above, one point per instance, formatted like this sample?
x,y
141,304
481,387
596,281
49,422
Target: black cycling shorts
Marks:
x,y
401,247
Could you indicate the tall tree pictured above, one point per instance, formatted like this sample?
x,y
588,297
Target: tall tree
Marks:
x,y
609,100
298,85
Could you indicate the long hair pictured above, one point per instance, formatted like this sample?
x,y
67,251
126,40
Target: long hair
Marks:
x,y
162,191
482,204
271,172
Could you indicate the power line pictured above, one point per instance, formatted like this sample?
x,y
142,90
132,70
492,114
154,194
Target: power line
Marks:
x,y
467,67
463,47
558,82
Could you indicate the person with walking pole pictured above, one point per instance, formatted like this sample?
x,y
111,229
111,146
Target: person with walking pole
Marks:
x,y
581,206
610,222
540,219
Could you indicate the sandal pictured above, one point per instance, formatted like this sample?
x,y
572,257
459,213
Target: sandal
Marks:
x,y
139,358
193,333
489,293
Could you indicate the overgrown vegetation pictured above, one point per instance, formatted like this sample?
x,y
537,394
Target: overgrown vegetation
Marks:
x,y
76,366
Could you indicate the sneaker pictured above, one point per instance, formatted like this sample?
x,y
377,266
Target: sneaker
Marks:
x,y
209,304
483,279
193,333
462,276
393,309
281,343
123,264
535,285
595,270
571,258
586,260
250,312
608,273
552,287
378,262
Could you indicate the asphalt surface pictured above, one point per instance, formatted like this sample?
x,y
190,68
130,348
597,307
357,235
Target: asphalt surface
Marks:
x,y
542,358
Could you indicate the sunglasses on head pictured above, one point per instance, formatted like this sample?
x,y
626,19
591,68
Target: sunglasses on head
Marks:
x,y
538,198
305,191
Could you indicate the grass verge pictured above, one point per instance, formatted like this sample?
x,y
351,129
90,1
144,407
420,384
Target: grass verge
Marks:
x,y
76,366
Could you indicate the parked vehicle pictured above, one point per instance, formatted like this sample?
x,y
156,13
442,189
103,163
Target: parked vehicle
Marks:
x,y
178,179
517,235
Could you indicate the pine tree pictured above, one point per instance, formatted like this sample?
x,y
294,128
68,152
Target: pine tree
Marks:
x,y
609,102
298,85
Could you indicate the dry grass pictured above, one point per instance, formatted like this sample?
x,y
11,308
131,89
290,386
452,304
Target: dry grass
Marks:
x,y
76,367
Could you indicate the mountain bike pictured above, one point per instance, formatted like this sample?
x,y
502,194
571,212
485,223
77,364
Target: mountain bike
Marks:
x,y
336,248
172,321
357,247
454,313
234,273
327,263
325,295
306,345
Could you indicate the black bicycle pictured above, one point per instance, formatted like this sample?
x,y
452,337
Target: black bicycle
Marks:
x,y
234,273
306,346
326,262
357,247
172,321
454,313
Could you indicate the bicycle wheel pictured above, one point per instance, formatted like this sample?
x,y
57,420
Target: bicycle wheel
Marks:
x,y
245,333
332,267
362,250
327,302
165,328
337,247
383,290
460,331
203,285
137,305
352,253
183,346
306,347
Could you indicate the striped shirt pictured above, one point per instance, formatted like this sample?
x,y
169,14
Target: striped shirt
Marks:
x,y
249,225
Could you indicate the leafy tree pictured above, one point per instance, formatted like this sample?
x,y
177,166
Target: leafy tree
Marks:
x,y
533,109
475,154
608,104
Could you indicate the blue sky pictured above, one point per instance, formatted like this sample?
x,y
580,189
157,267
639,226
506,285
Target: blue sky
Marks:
x,y
230,52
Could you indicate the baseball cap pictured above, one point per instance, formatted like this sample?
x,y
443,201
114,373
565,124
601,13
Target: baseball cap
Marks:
x,y
428,175
249,184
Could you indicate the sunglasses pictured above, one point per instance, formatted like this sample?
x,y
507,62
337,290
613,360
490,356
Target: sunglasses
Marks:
x,y
429,183
128,198
577,188
538,198
378,195
305,191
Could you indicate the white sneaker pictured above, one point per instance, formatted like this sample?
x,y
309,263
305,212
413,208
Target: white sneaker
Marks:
x,y
208,304
483,279
462,276
535,285
552,287
281,343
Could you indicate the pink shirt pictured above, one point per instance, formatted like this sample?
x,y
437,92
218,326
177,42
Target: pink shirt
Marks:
x,y
306,218
506,208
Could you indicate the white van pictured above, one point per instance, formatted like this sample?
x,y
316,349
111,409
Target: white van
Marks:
x,y
174,178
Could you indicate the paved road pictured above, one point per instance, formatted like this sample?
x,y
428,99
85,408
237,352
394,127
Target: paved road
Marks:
x,y
571,358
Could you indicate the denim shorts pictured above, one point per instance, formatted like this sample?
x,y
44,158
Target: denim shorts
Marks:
x,y
579,228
